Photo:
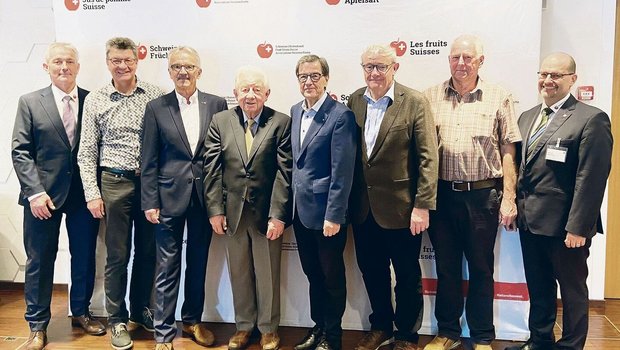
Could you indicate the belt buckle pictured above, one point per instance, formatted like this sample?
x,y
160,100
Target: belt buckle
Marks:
x,y
460,182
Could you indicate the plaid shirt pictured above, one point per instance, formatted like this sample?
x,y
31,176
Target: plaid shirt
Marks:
x,y
471,129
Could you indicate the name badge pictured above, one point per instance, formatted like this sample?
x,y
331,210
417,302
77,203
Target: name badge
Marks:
x,y
556,153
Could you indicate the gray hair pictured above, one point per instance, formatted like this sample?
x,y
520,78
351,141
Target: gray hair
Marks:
x,y
251,71
478,47
60,45
380,50
313,58
189,50
121,43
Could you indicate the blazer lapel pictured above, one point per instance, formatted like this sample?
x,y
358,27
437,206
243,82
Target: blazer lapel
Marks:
x,y
388,119
236,124
175,112
317,122
204,121
559,118
78,127
49,105
295,130
360,109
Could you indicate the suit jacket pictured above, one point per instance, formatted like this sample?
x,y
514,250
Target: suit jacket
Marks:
x,y
555,197
43,158
170,169
260,180
323,164
402,170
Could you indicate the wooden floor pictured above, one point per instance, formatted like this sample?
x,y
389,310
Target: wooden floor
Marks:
x,y
604,329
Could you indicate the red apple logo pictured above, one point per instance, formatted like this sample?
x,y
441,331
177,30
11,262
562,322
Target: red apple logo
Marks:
x,y
334,96
264,50
72,5
399,46
332,2
142,51
203,3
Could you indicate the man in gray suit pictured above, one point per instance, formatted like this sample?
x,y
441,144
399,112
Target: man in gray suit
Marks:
x,y
565,161
175,126
44,150
248,198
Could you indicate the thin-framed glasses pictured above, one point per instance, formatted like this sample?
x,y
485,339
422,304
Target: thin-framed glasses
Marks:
x,y
554,76
381,68
118,61
188,67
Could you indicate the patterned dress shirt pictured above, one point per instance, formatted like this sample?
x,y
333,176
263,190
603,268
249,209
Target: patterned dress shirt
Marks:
x,y
112,131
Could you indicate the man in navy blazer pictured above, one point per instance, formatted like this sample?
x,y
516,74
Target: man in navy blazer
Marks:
x,y
565,161
44,150
175,126
323,140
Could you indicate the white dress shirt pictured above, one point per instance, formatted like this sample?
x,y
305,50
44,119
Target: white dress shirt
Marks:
x,y
191,118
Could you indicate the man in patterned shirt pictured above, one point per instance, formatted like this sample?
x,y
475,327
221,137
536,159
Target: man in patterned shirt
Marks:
x,y
477,132
111,142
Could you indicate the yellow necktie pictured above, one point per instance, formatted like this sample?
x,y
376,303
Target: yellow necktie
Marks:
x,y
249,138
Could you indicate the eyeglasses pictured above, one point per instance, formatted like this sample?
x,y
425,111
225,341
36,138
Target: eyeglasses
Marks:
x,y
381,68
554,76
188,67
118,61
314,77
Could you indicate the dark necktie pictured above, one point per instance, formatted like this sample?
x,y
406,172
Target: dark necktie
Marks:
x,y
68,119
538,131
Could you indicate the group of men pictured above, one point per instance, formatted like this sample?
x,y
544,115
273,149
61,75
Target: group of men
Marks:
x,y
454,161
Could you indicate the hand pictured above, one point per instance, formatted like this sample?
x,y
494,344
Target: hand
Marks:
x,y
40,207
275,229
330,228
574,241
508,214
218,222
152,215
96,208
419,221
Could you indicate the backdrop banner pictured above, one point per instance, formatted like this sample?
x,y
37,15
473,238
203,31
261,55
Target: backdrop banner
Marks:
x,y
273,34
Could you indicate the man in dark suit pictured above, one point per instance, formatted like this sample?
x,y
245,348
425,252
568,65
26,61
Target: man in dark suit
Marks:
x,y
44,150
175,126
394,188
565,161
323,138
247,193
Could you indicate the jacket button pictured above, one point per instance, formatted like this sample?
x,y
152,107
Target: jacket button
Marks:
x,y
369,187
247,175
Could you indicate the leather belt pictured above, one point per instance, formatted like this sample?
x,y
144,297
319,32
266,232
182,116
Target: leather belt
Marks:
x,y
464,186
130,174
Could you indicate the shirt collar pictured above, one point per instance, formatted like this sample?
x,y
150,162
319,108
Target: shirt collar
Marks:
x,y
556,106
477,90
59,94
317,105
389,95
256,119
183,101
111,90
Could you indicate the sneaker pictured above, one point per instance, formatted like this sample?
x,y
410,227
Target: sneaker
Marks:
x,y
144,320
120,339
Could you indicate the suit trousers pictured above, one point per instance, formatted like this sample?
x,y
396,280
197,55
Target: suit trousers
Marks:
x,y
254,268
322,262
375,248
465,223
169,244
41,245
547,260
121,197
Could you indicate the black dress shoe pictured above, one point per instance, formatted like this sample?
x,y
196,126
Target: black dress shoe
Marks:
x,y
311,340
325,345
529,345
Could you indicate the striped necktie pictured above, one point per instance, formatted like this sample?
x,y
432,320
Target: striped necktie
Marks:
x,y
249,136
538,131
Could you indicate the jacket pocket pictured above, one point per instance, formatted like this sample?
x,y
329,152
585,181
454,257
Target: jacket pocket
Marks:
x,y
321,185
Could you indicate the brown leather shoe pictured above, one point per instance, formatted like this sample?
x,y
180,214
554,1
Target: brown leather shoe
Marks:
x,y
270,341
199,333
442,343
88,324
373,340
164,346
37,340
239,340
404,345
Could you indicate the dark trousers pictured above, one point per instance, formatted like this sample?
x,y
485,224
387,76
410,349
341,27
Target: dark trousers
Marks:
x,y
169,243
322,262
375,248
41,245
465,223
547,260
121,197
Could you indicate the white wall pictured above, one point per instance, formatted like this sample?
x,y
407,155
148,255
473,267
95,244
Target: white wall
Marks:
x,y
584,29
